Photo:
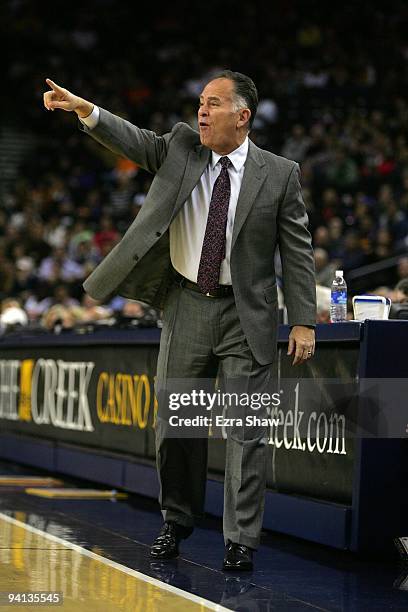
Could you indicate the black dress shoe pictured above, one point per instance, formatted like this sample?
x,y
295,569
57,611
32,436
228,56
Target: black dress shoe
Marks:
x,y
238,557
166,544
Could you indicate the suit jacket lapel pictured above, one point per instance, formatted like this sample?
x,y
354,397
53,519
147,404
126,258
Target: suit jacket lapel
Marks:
x,y
254,176
197,161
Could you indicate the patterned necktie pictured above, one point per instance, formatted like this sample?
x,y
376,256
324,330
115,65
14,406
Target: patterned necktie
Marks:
x,y
213,251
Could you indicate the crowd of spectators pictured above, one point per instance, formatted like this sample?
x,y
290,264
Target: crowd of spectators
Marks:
x,y
331,98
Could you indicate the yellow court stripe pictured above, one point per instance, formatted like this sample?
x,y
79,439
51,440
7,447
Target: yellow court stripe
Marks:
x,y
24,481
193,601
63,493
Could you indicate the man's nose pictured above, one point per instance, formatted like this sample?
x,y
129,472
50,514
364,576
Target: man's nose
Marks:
x,y
202,111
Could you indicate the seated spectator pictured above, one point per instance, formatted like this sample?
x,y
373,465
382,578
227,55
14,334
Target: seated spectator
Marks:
x,y
24,276
266,114
382,291
134,309
79,234
335,227
12,316
35,243
121,195
324,269
353,256
7,277
59,267
93,310
55,232
402,268
86,256
400,293
384,245
396,222
342,173
36,306
106,236
296,145
61,317
323,300
321,237
330,204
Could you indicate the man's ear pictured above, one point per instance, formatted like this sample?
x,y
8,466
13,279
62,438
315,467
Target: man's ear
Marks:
x,y
244,116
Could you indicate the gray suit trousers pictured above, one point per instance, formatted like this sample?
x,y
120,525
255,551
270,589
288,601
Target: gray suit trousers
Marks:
x,y
202,339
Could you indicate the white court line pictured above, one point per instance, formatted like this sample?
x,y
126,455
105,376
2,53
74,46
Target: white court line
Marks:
x,y
210,605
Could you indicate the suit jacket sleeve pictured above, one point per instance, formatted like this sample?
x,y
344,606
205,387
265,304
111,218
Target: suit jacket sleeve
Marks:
x,y
143,147
295,244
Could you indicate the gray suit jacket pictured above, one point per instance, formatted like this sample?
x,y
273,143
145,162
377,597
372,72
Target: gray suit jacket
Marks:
x,y
270,211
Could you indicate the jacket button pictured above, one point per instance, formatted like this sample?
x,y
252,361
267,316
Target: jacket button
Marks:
x,y
136,257
158,234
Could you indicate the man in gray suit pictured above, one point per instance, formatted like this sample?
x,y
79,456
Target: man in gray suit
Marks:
x,y
203,248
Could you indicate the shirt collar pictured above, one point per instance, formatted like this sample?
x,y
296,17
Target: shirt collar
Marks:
x,y
236,157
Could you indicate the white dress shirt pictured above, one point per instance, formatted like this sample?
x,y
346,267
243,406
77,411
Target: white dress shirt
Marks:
x,y
188,228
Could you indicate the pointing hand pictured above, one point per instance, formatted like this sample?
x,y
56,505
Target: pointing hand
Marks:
x,y
58,97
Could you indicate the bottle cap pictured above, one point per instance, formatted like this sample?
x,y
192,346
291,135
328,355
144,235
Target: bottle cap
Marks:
x,y
339,272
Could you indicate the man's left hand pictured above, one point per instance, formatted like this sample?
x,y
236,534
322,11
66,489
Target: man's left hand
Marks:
x,y
302,343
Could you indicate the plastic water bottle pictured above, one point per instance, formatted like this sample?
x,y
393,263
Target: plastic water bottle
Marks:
x,y
338,302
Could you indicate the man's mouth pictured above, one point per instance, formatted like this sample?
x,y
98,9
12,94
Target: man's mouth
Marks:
x,y
202,125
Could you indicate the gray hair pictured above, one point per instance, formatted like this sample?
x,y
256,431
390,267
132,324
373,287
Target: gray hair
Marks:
x,y
245,92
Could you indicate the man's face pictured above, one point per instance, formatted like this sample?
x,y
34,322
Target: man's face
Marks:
x,y
219,125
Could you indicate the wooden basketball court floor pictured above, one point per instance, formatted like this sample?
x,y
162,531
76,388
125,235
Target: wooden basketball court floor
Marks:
x,y
94,553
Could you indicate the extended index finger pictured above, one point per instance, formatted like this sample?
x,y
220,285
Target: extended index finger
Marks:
x,y
54,86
